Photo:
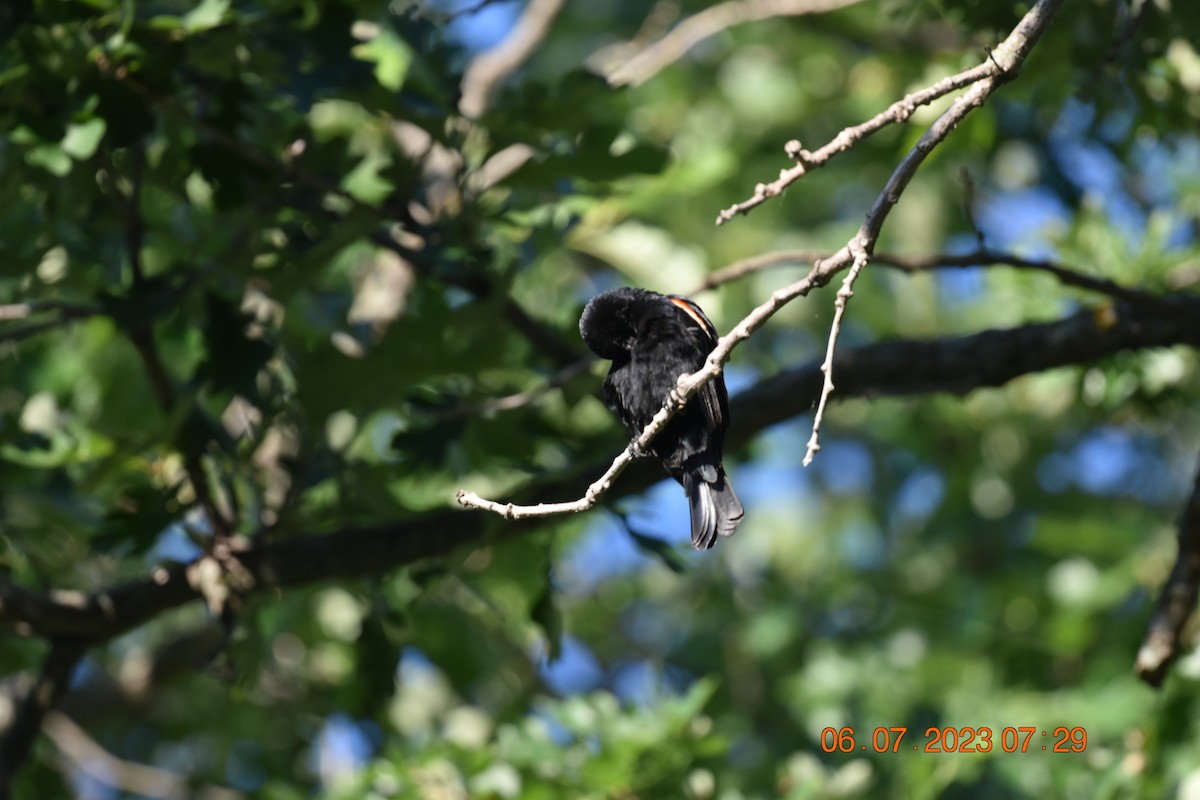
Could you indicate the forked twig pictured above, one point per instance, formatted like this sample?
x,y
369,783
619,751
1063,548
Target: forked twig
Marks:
x,y
900,111
839,308
1009,56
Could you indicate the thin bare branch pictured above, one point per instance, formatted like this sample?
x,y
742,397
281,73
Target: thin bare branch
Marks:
x,y
42,696
143,339
475,9
839,309
748,266
63,314
1068,276
655,25
1008,58
1001,65
1011,53
18,311
709,22
1125,28
684,389
486,72
86,754
1065,275
519,399
1177,602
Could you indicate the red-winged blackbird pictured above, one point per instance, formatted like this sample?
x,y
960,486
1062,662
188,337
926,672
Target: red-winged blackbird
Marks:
x,y
652,339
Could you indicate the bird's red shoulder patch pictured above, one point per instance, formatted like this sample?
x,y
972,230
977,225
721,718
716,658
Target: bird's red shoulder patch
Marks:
x,y
693,311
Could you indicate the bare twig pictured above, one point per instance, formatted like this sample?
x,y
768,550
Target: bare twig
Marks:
x,y
486,72
63,313
1011,53
839,309
1001,64
16,311
1007,59
1125,29
475,9
215,589
1065,275
42,696
684,389
1068,276
658,20
1177,602
517,400
135,224
700,26
86,754
219,528
142,337
747,266
17,333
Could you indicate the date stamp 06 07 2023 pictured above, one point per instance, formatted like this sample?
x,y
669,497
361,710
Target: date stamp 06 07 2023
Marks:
x,y
958,740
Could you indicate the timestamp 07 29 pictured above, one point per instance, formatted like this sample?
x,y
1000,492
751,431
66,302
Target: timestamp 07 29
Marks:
x,y
937,739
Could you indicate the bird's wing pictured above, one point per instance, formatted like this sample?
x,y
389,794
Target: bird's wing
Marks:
x,y
713,397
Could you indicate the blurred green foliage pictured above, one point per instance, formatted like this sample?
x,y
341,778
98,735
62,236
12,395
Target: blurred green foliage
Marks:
x,y
339,275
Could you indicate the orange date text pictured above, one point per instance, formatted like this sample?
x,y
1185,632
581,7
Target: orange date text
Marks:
x,y
897,739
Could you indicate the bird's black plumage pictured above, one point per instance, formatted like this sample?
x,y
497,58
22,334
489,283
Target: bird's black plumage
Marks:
x,y
652,339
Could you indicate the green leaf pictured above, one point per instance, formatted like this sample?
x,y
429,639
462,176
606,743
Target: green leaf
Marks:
x,y
364,181
50,157
392,57
82,139
209,14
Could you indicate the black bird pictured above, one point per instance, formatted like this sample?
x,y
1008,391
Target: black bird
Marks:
x,y
652,339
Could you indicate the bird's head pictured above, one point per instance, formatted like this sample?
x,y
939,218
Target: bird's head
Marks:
x,y
609,322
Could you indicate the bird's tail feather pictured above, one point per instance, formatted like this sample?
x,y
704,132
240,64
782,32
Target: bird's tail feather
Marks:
x,y
716,510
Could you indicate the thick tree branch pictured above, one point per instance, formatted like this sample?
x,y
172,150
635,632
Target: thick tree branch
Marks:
x,y
1177,602
1068,276
42,696
903,367
1000,66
